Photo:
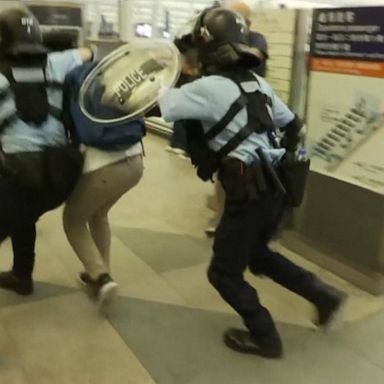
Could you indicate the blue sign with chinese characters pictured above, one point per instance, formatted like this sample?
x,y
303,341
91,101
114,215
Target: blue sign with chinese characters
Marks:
x,y
348,33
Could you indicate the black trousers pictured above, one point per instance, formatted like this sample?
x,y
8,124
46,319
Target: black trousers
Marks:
x,y
241,242
21,205
20,209
179,136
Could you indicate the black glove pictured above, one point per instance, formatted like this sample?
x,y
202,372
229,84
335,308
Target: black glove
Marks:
x,y
291,137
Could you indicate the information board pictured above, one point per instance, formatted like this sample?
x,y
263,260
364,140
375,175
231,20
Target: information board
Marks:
x,y
346,97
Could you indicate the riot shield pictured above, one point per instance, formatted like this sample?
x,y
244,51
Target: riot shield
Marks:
x,y
128,82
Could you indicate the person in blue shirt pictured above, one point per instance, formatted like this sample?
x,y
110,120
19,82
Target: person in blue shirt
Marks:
x,y
237,113
38,169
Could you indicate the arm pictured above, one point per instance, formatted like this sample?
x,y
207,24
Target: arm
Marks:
x,y
287,122
191,101
293,134
7,105
86,54
61,63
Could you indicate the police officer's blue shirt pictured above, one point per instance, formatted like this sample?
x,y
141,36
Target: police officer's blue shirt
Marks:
x,y
208,100
22,137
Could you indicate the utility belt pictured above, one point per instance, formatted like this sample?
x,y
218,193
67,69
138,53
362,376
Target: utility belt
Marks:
x,y
243,182
53,170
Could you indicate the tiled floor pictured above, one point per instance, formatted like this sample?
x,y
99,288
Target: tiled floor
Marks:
x,y
167,324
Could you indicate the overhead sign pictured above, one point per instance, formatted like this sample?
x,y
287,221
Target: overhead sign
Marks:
x,y
349,40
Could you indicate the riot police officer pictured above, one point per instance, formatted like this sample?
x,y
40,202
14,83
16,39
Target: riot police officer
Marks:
x,y
236,113
38,169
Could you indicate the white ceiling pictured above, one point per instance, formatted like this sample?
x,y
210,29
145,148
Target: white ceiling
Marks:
x,y
327,2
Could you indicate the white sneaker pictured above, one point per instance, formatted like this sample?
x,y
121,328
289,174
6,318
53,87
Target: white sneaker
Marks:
x,y
106,296
104,289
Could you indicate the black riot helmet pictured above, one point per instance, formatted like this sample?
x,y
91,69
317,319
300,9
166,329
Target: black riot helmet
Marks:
x,y
221,37
20,34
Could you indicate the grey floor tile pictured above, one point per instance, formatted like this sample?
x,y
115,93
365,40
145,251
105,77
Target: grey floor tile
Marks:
x,y
180,345
65,341
318,358
366,338
171,341
165,251
11,367
42,291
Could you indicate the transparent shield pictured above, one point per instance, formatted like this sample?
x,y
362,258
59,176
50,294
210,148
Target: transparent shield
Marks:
x,y
128,82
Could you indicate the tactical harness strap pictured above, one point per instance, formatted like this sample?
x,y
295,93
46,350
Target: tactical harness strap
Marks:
x,y
8,121
254,125
7,93
235,108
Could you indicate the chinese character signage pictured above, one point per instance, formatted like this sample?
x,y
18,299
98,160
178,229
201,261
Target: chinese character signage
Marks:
x,y
346,96
349,40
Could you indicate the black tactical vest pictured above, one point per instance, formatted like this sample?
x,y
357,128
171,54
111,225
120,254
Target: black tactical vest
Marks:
x,y
208,161
28,88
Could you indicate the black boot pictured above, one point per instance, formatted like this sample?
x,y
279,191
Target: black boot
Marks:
x,y
330,303
242,341
11,282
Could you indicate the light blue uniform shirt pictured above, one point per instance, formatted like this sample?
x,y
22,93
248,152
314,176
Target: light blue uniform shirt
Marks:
x,y
208,100
22,137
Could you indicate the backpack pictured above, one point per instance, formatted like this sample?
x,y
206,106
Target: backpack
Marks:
x,y
105,136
